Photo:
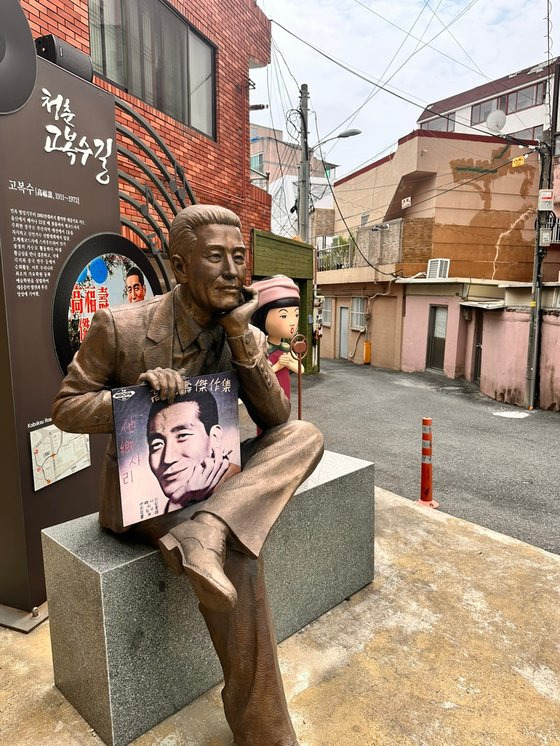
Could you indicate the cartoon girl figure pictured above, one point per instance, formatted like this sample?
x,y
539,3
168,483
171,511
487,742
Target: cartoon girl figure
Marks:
x,y
277,316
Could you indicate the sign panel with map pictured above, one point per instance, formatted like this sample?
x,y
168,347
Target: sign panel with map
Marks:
x,y
55,454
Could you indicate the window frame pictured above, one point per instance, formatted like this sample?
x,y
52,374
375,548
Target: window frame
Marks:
x,y
125,39
327,311
356,314
260,156
503,101
530,133
447,122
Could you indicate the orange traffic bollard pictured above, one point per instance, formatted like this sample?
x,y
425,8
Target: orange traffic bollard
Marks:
x,y
426,498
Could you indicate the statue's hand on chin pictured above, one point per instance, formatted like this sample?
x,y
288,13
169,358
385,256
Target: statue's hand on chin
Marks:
x,y
236,322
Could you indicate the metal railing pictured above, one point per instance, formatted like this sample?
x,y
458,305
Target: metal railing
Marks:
x,y
334,257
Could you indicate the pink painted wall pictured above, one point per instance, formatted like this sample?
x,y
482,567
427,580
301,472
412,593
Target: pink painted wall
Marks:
x,y
415,334
549,393
469,347
504,356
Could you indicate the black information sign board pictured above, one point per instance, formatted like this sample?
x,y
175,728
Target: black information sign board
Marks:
x,y
58,200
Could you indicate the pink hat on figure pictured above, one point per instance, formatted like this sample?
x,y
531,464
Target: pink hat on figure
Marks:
x,y
276,288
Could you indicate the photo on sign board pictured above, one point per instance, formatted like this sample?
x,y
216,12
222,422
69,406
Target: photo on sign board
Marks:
x,y
96,276
105,281
173,455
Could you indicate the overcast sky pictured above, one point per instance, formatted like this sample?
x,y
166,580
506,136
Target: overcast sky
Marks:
x,y
484,40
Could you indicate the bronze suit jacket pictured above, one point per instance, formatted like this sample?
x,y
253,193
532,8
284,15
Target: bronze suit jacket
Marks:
x,y
124,342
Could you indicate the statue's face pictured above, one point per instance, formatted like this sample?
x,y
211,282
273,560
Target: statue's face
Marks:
x,y
216,269
177,442
282,323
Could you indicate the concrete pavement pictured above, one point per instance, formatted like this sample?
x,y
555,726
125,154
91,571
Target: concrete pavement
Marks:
x,y
455,643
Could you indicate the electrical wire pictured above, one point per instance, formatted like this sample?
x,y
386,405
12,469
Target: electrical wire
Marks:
x,y
281,80
364,77
494,88
350,234
273,127
381,86
408,34
275,44
429,44
375,91
441,190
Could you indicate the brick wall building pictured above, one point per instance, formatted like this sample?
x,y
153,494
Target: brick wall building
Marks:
x,y
235,36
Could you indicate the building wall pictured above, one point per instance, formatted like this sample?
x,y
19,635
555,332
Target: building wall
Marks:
x,y
469,346
417,240
321,222
328,347
386,329
504,356
415,334
218,170
383,328
280,158
549,390
481,209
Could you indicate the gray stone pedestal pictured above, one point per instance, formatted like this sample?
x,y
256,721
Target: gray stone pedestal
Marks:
x,y
129,645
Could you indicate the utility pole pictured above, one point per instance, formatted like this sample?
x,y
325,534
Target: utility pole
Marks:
x,y
545,151
304,183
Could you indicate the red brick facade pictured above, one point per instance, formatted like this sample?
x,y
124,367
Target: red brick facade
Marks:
x,y
217,170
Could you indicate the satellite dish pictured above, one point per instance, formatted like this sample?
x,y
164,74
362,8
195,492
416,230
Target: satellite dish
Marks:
x,y
496,120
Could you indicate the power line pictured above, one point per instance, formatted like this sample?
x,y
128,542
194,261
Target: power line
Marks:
x,y
275,44
369,80
494,87
272,121
373,266
280,77
383,86
429,44
408,34
439,191
373,93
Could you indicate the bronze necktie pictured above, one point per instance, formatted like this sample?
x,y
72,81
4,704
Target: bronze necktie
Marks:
x,y
207,344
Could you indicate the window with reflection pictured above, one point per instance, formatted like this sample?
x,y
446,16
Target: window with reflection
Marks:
x,y
148,50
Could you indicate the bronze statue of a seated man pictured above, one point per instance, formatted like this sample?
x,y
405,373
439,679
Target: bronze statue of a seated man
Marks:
x,y
202,326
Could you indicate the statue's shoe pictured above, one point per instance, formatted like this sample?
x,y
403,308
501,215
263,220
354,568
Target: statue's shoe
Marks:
x,y
199,550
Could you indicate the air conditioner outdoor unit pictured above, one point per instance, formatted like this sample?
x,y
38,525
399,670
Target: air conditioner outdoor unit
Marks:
x,y
437,268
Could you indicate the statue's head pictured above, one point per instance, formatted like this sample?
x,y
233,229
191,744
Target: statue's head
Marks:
x,y
183,237
277,313
207,255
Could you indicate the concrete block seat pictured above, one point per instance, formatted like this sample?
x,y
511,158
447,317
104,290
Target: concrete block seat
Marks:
x,y
129,645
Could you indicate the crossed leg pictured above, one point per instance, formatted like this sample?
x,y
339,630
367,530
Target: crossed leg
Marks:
x,y
247,506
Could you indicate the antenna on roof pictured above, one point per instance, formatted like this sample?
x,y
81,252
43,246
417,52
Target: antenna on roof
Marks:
x,y
496,121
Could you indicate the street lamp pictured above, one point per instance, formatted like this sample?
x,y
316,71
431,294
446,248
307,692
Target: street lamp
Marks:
x,y
346,133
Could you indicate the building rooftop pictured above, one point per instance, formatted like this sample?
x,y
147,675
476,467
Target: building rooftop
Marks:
x,y
488,90
470,136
